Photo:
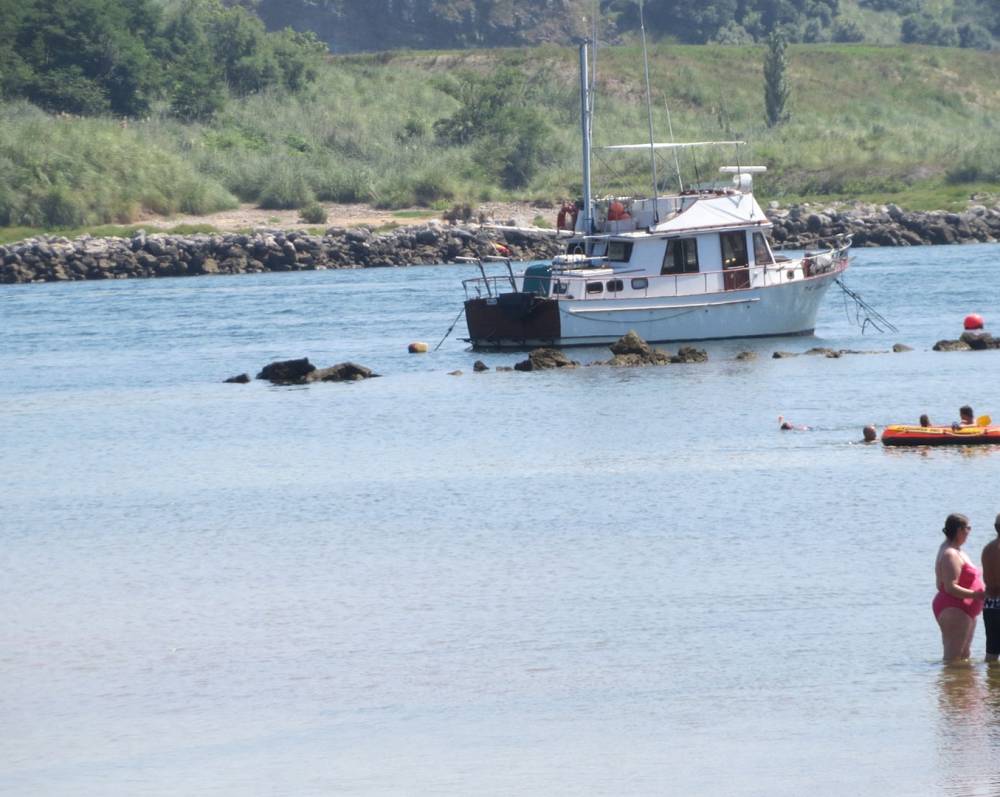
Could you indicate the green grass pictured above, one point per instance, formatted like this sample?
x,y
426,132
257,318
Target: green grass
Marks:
x,y
912,125
412,214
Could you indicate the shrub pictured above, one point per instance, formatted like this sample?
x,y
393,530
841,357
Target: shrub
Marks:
x,y
847,31
313,213
61,207
285,190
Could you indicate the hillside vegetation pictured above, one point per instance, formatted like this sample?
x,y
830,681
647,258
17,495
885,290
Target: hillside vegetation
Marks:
x,y
914,125
367,25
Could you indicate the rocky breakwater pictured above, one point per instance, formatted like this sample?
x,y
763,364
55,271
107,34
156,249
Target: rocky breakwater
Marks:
x,y
52,259
802,226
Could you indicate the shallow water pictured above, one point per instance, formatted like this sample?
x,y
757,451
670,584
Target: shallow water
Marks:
x,y
590,582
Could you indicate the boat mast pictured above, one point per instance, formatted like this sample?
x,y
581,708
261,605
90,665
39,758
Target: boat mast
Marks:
x,y
585,130
649,115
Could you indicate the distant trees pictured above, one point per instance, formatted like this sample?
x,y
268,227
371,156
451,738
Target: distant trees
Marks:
x,y
512,139
776,90
739,21
93,57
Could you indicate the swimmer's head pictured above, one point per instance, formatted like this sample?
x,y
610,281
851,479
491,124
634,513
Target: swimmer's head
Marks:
x,y
869,433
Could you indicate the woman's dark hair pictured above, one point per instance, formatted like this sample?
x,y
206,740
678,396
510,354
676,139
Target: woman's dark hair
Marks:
x,y
953,524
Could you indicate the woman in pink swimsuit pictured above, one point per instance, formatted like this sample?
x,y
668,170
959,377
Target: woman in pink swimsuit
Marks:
x,y
961,590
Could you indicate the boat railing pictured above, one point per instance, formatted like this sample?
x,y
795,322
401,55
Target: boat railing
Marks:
x,y
631,284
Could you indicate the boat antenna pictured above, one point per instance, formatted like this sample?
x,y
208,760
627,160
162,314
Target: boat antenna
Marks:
x,y
677,164
585,134
649,114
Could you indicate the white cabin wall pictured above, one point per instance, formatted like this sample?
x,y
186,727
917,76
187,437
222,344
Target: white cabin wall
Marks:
x,y
648,255
710,259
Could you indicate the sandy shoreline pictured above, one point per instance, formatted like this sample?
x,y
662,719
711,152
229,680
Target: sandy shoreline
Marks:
x,y
249,217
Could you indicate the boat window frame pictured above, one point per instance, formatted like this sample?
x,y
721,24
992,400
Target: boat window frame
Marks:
x,y
689,256
615,248
640,283
760,241
595,287
614,286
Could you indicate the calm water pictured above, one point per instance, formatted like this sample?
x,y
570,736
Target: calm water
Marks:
x,y
592,582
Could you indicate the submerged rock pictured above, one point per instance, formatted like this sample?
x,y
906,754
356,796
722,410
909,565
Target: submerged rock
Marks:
x,y
952,345
824,351
240,379
341,372
479,366
900,347
746,355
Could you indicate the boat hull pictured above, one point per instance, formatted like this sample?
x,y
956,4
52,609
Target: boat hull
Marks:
x,y
901,435
787,309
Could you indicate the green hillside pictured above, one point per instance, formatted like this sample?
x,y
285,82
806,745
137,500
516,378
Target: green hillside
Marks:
x,y
913,125
368,25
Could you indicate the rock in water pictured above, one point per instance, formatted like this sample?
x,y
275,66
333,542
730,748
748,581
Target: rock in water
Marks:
x,y
689,354
287,372
241,379
543,359
341,372
630,350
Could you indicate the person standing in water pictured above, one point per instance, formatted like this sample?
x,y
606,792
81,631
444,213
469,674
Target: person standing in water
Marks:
x,y
961,591
991,607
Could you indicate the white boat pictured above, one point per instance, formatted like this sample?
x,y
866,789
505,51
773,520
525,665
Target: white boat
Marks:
x,y
694,265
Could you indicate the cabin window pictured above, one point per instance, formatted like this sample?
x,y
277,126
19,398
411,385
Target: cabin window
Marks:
x,y
681,256
614,286
595,287
560,287
620,251
734,249
640,284
761,251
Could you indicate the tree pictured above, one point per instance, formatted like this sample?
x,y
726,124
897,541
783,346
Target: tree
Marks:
x,y
776,90
87,56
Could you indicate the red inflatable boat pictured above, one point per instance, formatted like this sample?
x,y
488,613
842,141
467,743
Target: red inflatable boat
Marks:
x,y
901,435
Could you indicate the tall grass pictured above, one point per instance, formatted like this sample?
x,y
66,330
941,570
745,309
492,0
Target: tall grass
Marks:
x,y
63,172
871,121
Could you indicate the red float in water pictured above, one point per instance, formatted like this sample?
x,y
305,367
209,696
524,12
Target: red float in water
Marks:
x,y
974,321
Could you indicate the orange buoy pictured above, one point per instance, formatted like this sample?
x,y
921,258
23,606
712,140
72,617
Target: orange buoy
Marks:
x,y
417,347
973,321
